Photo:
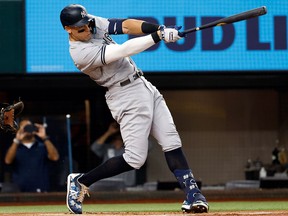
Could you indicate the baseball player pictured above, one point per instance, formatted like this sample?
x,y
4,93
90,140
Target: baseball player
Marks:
x,y
134,102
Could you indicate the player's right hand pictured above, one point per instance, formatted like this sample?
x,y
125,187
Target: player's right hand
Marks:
x,y
171,35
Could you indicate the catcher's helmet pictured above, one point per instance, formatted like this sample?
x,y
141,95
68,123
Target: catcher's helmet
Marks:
x,y
74,15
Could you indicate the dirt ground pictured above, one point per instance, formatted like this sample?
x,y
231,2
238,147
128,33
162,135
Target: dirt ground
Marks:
x,y
277,213
242,213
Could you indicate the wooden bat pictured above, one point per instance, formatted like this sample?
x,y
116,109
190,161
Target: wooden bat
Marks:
x,y
228,20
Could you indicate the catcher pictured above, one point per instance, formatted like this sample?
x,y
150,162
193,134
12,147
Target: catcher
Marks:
x,y
8,113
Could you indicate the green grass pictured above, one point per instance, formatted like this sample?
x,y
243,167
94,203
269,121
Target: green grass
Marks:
x,y
151,207
248,206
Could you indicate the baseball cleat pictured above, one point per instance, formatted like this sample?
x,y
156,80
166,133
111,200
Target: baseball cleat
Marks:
x,y
75,193
199,205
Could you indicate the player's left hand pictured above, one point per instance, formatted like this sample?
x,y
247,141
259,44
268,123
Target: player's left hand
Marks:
x,y
175,27
170,35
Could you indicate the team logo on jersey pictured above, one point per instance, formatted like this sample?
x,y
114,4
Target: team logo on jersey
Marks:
x,y
83,13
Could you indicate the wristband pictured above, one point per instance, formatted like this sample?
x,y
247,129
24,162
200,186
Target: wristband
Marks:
x,y
147,27
155,37
16,141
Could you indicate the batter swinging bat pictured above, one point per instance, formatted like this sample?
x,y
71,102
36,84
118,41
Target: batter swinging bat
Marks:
x,y
227,20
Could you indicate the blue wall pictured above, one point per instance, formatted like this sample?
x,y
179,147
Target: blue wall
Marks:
x,y
259,44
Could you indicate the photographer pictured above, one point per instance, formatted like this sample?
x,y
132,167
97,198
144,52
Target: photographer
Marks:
x,y
29,155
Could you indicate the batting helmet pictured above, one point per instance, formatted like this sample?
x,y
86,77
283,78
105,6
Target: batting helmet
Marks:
x,y
74,15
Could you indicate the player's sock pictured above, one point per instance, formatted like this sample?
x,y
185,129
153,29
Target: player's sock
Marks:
x,y
176,160
178,165
109,168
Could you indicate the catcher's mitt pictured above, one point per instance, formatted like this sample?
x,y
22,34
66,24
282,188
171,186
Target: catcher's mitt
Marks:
x,y
8,113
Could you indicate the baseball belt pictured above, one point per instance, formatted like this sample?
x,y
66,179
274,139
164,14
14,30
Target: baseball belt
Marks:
x,y
132,78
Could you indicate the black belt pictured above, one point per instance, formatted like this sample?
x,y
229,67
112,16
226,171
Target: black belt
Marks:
x,y
138,74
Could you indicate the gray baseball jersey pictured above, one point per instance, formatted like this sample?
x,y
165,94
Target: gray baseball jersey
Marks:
x,y
138,107
89,57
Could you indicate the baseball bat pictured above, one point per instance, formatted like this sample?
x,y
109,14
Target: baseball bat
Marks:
x,y
228,20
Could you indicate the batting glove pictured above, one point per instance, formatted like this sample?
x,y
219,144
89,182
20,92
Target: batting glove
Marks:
x,y
170,35
175,27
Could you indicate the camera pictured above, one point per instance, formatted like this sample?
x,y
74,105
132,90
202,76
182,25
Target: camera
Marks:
x,y
30,128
